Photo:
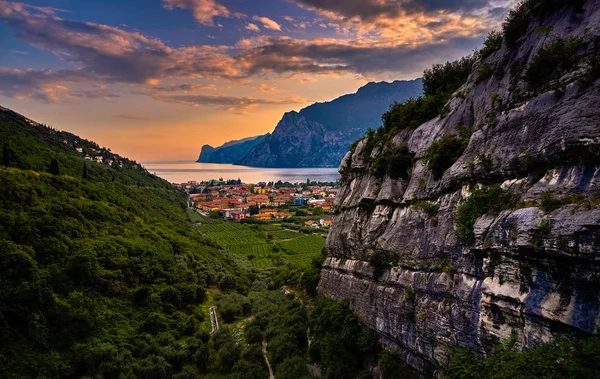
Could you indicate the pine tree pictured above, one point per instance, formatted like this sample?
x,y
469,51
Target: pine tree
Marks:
x,y
5,156
54,169
85,170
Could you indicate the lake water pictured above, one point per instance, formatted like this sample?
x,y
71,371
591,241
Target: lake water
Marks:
x,y
182,172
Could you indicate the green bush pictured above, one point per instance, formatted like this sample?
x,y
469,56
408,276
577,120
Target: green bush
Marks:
x,y
428,207
558,57
394,162
484,200
491,44
443,153
447,78
487,70
516,24
381,261
548,202
413,112
393,366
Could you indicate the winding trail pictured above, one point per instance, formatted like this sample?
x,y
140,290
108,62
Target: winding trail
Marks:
x,y
264,349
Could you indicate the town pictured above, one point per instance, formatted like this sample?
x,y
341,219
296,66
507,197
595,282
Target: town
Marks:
x,y
310,203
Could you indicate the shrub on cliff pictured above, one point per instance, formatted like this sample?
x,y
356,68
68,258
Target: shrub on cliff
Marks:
x,y
447,78
484,200
443,153
394,162
559,56
491,44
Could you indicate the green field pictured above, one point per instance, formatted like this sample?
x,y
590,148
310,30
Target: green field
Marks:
x,y
254,245
301,250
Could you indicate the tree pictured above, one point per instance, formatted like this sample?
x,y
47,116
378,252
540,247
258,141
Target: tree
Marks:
x,y
5,156
85,170
318,211
54,169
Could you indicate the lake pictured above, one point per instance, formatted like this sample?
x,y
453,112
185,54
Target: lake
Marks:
x,y
183,172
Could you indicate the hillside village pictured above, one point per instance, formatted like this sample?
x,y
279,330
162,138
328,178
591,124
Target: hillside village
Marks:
x,y
265,202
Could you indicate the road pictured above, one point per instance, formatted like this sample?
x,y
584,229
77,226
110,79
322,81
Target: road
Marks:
x,y
213,319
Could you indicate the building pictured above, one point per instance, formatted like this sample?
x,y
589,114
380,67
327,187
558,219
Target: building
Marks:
x,y
262,216
238,215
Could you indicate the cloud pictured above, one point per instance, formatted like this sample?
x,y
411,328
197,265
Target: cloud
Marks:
x,y
284,55
371,10
127,116
204,11
102,54
234,104
252,27
266,89
268,23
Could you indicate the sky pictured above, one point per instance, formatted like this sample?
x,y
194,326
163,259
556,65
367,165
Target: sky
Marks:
x,y
155,80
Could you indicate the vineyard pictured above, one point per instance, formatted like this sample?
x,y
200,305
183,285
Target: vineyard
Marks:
x,y
301,250
261,247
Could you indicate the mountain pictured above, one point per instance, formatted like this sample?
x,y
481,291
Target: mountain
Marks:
x,y
319,135
479,226
230,152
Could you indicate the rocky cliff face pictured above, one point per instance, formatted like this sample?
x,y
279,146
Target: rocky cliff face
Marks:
x,y
529,272
319,135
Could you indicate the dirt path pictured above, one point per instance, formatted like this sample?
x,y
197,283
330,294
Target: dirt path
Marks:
x,y
213,319
264,348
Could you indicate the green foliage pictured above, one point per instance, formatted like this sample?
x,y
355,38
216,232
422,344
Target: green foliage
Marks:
x,y
283,324
487,70
428,207
233,306
562,358
447,78
492,43
548,202
558,57
54,169
381,261
443,153
5,155
413,112
318,211
98,266
394,162
393,366
516,24
340,341
486,199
